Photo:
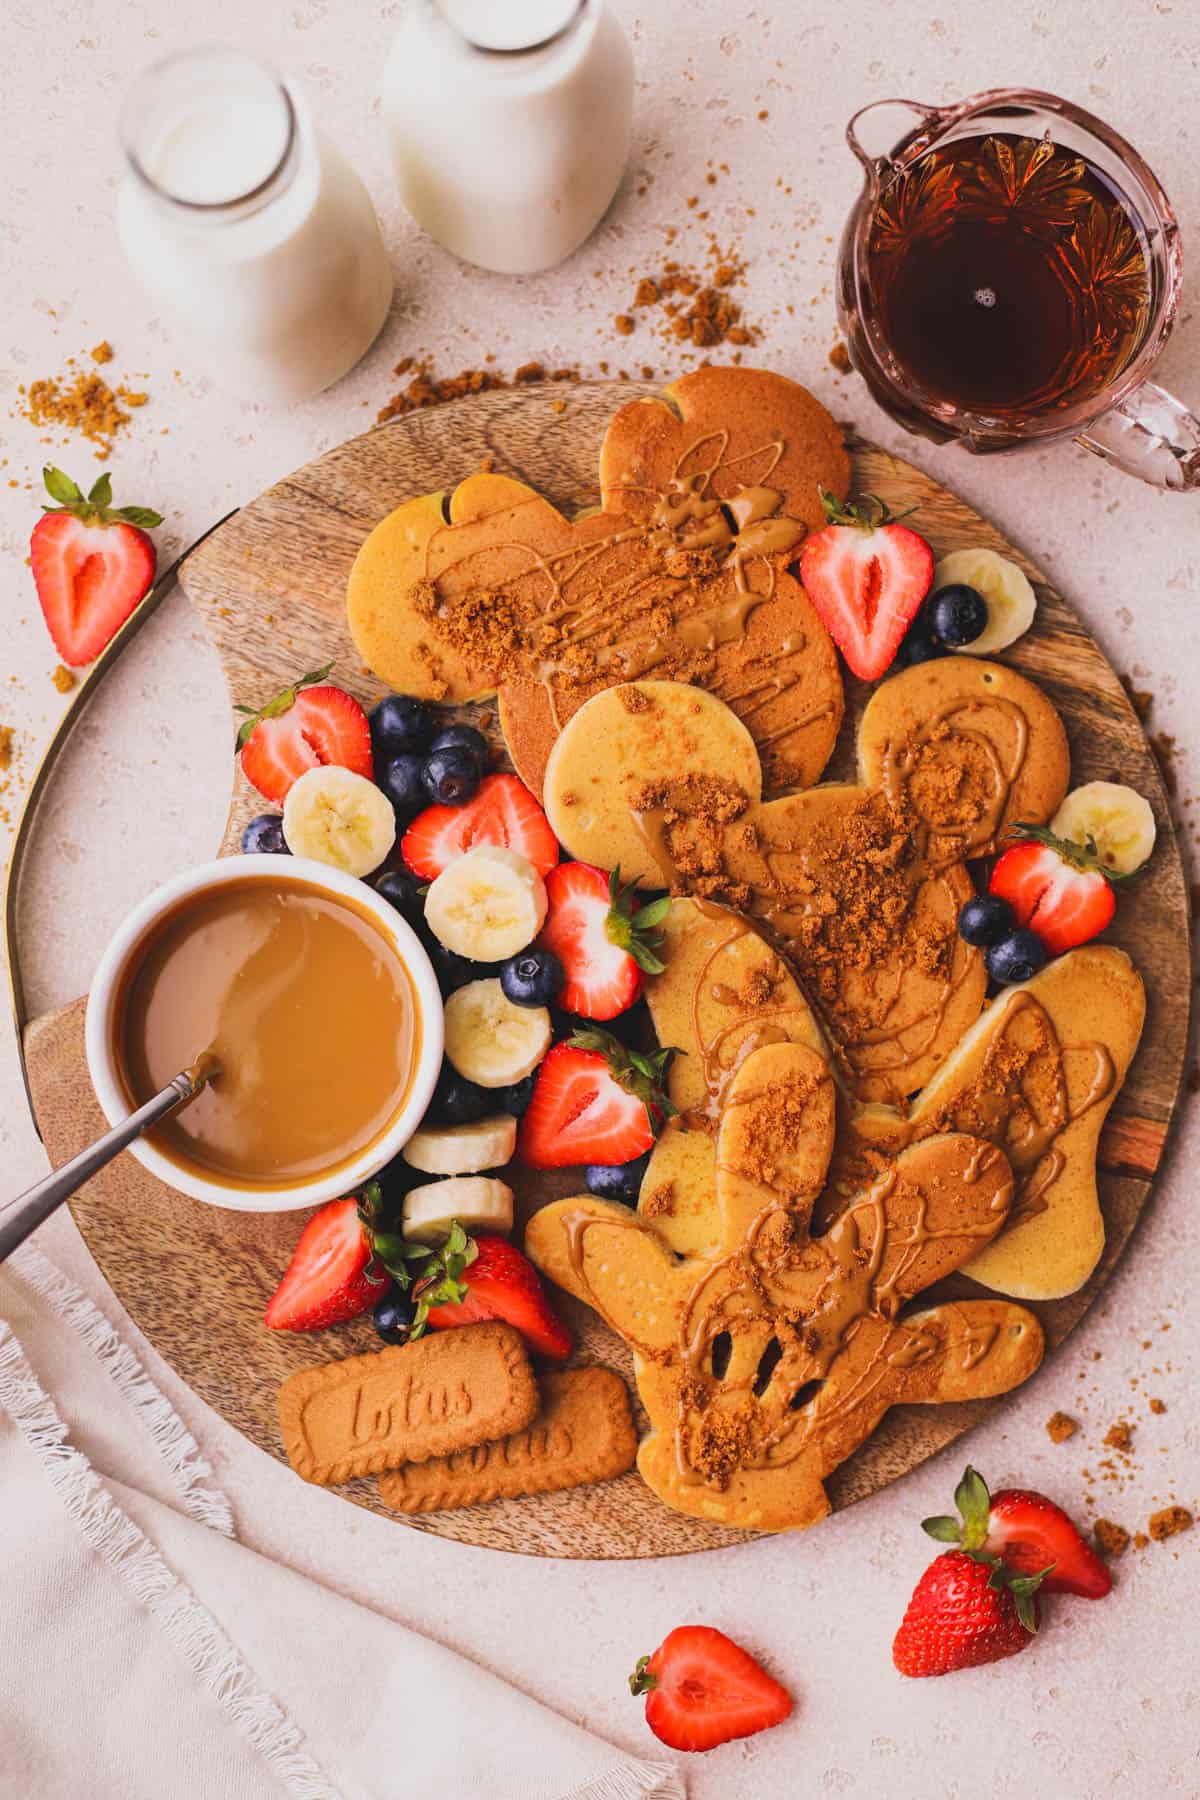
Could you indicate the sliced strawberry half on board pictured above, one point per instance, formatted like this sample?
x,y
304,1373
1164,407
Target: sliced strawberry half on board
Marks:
x,y
1059,890
306,725
867,575
503,812
702,1690
92,562
606,943
334,1274
501,1283
594,1101
1026,1532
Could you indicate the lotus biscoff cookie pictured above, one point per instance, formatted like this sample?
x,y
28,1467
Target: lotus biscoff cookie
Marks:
x,y
405,1404
583,1433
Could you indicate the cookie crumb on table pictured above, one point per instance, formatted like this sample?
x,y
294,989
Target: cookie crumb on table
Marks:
x,y
1120,1436
1169,1521
1111,1539
1158,1406
1060,1427
81,400
63,679
839,356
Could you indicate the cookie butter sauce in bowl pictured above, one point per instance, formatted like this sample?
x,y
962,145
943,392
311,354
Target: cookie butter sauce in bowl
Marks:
x,y
319,1004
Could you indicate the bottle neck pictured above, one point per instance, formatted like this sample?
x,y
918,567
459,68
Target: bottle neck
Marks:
x,y
212,136
515,29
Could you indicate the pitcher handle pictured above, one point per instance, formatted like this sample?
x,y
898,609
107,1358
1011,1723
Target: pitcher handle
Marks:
x,y
871,161
1151,435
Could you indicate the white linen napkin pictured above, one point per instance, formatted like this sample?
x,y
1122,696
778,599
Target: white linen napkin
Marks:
x,y
145,1652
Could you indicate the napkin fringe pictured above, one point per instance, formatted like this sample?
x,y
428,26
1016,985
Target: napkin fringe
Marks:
x,y
189,1469
648,1781
187,1625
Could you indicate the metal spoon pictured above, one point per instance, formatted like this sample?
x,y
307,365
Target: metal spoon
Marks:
x,y
24,1214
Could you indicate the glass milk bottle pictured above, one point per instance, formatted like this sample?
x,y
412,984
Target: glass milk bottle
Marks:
x,y
509,124
248,228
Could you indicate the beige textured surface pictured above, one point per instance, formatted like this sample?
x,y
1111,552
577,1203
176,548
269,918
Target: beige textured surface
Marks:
x,y
1096,1697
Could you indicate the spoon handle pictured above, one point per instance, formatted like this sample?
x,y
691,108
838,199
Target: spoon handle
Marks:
x,y
24,1214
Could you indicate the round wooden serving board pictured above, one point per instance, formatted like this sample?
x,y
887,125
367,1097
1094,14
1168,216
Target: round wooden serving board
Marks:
x,y
270,585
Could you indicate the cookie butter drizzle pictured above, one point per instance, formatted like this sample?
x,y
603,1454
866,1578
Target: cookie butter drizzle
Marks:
x,y
586,613
821,1312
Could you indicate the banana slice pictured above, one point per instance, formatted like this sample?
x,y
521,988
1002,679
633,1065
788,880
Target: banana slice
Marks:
x,y
1118,820
491,1041
339,818
487,904
478,1202
1011,601
463,1149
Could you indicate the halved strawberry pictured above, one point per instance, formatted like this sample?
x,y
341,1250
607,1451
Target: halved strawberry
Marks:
x,y
92,562
605,945
1059,890
702,1690
501,1283
1025,1532
333,1274
306,725
867,575
594,1101
503,812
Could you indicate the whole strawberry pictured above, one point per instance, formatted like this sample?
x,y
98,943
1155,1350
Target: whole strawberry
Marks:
x,y
92,563
964,1612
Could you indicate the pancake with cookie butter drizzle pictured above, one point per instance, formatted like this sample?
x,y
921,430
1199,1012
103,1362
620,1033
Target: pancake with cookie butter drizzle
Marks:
x,y
859,885
763,1364
706,498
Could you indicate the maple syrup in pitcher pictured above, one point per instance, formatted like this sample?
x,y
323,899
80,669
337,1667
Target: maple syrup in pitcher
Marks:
x,y
1008,275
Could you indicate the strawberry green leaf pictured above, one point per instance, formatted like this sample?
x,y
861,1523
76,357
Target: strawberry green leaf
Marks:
x,y
633,929
60,487
144,517
100,492
945,1529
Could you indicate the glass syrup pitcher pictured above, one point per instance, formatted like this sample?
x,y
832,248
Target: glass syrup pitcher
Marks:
x,y
1009,275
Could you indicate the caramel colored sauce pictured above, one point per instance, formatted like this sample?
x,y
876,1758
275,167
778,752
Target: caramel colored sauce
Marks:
x,y
309,1010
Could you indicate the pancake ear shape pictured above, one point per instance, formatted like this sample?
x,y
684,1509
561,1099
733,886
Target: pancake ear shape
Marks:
x,y
968,747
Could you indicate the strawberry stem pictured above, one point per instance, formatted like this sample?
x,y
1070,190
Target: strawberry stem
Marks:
x,y
1084,857
639,1073
97,508
869,513
642,1681
633,929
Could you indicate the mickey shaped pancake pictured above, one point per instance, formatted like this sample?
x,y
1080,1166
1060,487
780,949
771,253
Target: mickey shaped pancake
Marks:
x,y
860,884
706,496
1035,1075
766,1362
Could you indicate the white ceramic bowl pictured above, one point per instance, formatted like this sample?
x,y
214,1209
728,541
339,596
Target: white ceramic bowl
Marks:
x,y
106,986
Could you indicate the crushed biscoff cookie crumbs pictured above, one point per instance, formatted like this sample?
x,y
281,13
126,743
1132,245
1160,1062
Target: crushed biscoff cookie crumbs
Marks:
x,y
1120,1437
1169,1521
81,400
62,678
1111,1539
1060,1426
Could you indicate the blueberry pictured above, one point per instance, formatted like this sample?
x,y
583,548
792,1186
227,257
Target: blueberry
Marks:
x,y
617,1181
1016,957
457,1101
515,1099
464,737
451,775
264,836
532,978
985,919
958,614
400,723
920,643
401,780
452,970
402,892
393,1316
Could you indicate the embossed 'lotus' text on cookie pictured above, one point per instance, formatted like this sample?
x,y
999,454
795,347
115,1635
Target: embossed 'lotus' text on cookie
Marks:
x,y
407,1403
583,1433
